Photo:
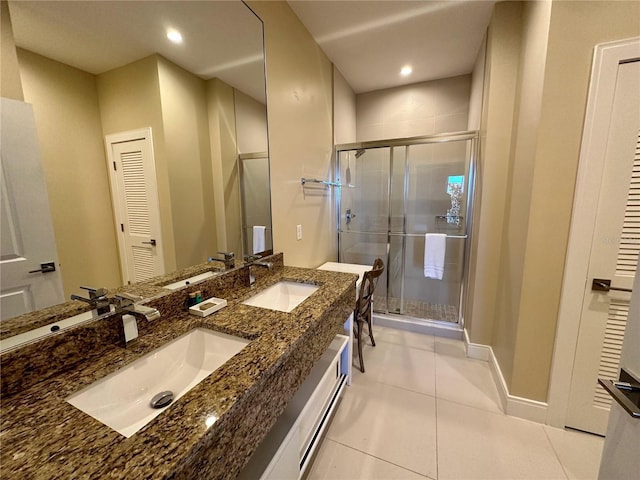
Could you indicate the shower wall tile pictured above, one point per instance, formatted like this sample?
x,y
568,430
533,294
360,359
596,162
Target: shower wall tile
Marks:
x,y
419,109
455,122
373,131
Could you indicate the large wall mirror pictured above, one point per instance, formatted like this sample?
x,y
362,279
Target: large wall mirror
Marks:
x,y
102,74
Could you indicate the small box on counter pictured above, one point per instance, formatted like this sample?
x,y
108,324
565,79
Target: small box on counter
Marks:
x,y
208,306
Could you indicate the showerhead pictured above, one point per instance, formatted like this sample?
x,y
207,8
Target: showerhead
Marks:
x,y
360,152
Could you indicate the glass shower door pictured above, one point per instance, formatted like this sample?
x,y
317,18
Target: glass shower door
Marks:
x,y
435,186
364,209
390,198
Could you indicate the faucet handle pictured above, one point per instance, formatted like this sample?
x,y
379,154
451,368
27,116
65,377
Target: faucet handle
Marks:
x,y
95,292
125,299
227,255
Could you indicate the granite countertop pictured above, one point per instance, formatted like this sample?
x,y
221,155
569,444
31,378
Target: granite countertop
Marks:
x,y
153,287
44,437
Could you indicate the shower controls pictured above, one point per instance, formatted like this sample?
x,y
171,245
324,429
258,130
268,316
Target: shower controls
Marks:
x,y
348,215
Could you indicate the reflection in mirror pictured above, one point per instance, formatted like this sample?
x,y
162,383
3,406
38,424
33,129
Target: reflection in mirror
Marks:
x,y
96,75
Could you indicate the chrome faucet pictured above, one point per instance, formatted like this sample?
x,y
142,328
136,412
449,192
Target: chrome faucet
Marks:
x,y
255,260
126,303
268,265
229,260
97,299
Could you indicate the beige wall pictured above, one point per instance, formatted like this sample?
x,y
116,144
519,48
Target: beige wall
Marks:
x,y
74,107
499,98
225,173
174,103
535,24
424,108
251,135
530,152
344,110
251,124
299,98
129,99
65,102
477,88
576,27
194,138
10,85
183,99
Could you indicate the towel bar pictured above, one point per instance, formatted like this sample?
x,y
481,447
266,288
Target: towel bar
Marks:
x,y
303,181
421,235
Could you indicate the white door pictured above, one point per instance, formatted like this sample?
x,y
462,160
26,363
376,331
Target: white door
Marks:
x,y
620,459
614,256
28,239
135,200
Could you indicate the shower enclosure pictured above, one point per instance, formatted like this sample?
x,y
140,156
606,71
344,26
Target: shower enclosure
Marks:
x,y
391,194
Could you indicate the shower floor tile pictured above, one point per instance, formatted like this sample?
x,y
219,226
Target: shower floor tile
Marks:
x,y
419,309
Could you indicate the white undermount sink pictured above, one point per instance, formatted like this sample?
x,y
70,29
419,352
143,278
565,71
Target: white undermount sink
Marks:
x,y
283,296
122,400
188,281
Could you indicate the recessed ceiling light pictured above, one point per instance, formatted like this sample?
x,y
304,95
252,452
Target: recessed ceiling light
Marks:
x,y
406,71
174,35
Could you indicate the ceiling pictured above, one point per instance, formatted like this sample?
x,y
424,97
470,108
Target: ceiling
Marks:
x,y
221,39
370,41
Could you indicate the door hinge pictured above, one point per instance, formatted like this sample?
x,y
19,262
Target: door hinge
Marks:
x,y
122,227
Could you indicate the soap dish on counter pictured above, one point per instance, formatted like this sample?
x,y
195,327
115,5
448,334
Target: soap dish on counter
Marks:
x,y
208,306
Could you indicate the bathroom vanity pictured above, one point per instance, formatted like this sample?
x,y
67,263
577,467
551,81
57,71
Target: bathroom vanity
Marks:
x,y
281,386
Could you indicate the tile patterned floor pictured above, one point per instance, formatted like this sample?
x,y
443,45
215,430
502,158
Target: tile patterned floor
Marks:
x,y
423,410
419,309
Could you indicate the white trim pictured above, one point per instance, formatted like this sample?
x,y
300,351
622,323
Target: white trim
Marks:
x,y
511,404
606,58
476,350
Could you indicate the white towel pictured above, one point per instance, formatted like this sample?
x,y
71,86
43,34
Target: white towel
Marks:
x,y
258,238
435,245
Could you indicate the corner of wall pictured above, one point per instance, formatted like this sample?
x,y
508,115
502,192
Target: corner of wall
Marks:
x,y
344,109
10,83
496,125
137,84
513,405
300,119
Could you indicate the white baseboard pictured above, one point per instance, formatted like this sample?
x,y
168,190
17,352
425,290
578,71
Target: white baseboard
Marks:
x,y
476,350
511,404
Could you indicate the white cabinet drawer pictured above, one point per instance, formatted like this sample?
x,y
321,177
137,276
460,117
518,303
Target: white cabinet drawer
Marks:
x,y
285,452
313,412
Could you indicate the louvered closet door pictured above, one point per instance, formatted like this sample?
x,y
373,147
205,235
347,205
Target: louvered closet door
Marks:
x,y
614,256
137,211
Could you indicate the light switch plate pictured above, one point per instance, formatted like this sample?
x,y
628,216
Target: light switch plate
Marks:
x,y
299,232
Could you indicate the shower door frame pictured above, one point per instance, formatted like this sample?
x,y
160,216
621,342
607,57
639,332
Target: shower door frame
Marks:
x,y
473,137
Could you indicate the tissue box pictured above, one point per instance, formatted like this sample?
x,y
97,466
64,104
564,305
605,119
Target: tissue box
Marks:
x,y
208,306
